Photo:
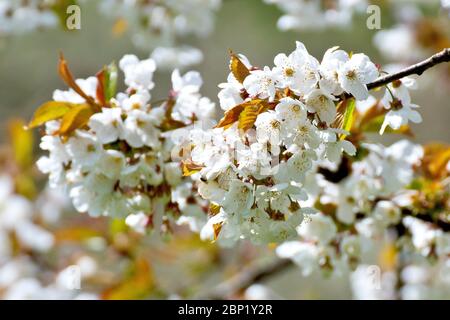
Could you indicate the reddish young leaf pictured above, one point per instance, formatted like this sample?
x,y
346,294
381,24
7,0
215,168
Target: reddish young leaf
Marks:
x,y
100,91
66,75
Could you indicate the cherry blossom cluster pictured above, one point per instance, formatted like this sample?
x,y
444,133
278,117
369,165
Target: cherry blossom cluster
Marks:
x,y
304,14
159,24
376,203
421,271
279,124
24,234
119,163
16,217
419,281
398,103
418,27
18,16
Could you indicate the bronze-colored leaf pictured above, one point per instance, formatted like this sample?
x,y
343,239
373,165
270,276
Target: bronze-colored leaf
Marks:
x,y
22,143
238,69
248,116
435,160
189,168
373,112
232,115
51,110
76,118
217,228
66,75
75,234
171,124
100,90
214,209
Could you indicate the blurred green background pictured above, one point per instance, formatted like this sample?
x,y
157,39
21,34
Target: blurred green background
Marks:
x,y
28,63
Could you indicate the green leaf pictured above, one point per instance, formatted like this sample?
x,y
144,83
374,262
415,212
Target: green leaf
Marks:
x,y
110,81
107,84
348,116
51,110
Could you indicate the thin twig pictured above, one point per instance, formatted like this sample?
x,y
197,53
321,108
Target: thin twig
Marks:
x,y
246,278
418,68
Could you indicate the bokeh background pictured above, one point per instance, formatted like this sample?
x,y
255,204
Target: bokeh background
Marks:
x,y
28,77
28,63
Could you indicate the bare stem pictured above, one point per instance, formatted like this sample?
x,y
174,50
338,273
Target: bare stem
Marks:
x,y
418,68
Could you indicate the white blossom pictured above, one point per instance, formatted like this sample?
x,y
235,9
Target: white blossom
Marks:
x,y
398,101
355,74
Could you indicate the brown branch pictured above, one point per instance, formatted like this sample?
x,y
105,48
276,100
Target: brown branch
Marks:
x,y
248,276
418,68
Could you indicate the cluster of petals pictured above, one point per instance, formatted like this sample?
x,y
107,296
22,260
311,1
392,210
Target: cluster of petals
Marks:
x,y
305,15
258,177
17,17
26,233
120,164
160,24
364,212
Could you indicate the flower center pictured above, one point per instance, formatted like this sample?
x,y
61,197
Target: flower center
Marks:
x,y
396,104
140,124
295,108
275,124
351,75
289,72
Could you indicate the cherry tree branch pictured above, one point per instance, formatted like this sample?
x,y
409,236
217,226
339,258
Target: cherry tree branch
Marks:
x,y
248,276
418,68
258,272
